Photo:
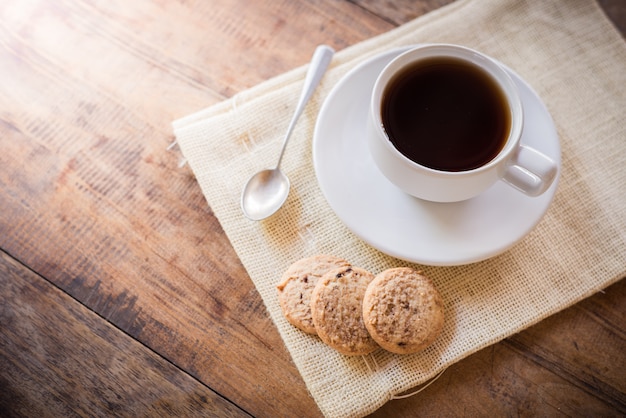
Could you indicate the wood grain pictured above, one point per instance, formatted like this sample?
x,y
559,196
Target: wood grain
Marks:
x,y
60,359
398,12
104,234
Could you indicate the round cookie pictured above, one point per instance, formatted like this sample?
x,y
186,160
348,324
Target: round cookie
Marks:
x,y
336,307
297,284
403,310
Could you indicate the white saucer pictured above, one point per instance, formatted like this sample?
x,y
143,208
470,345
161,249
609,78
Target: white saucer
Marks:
x,y
405,227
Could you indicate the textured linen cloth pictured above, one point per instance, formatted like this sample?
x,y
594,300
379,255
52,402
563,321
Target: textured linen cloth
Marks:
x,y
574,59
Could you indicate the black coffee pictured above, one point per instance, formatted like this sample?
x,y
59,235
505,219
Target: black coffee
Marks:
x,y
446,114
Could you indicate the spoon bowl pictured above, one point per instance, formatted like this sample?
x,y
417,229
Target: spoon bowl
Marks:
x,y
264,193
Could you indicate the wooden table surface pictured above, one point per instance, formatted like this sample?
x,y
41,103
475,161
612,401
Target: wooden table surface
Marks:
x,y
120,293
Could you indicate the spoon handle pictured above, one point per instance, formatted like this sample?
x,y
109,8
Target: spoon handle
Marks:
x,y
321,58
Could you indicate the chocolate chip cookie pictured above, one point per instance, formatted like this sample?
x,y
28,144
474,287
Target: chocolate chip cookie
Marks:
x,y
403,311
336,308
297,284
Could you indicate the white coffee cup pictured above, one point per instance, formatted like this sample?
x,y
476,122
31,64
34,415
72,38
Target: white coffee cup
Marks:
x,y
520,166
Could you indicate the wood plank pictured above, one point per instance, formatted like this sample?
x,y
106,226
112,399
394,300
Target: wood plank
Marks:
x,y
58,358
616,12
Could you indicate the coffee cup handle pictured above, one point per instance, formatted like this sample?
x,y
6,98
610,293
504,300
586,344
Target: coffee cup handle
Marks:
x,y
530,171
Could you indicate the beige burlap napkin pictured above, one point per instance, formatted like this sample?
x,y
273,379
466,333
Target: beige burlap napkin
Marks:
x,y
574,59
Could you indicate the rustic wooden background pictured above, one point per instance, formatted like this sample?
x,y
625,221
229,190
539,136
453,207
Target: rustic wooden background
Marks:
x,y
119,292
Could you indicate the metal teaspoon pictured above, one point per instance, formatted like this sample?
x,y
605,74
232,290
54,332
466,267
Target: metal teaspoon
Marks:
x,y
266,191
